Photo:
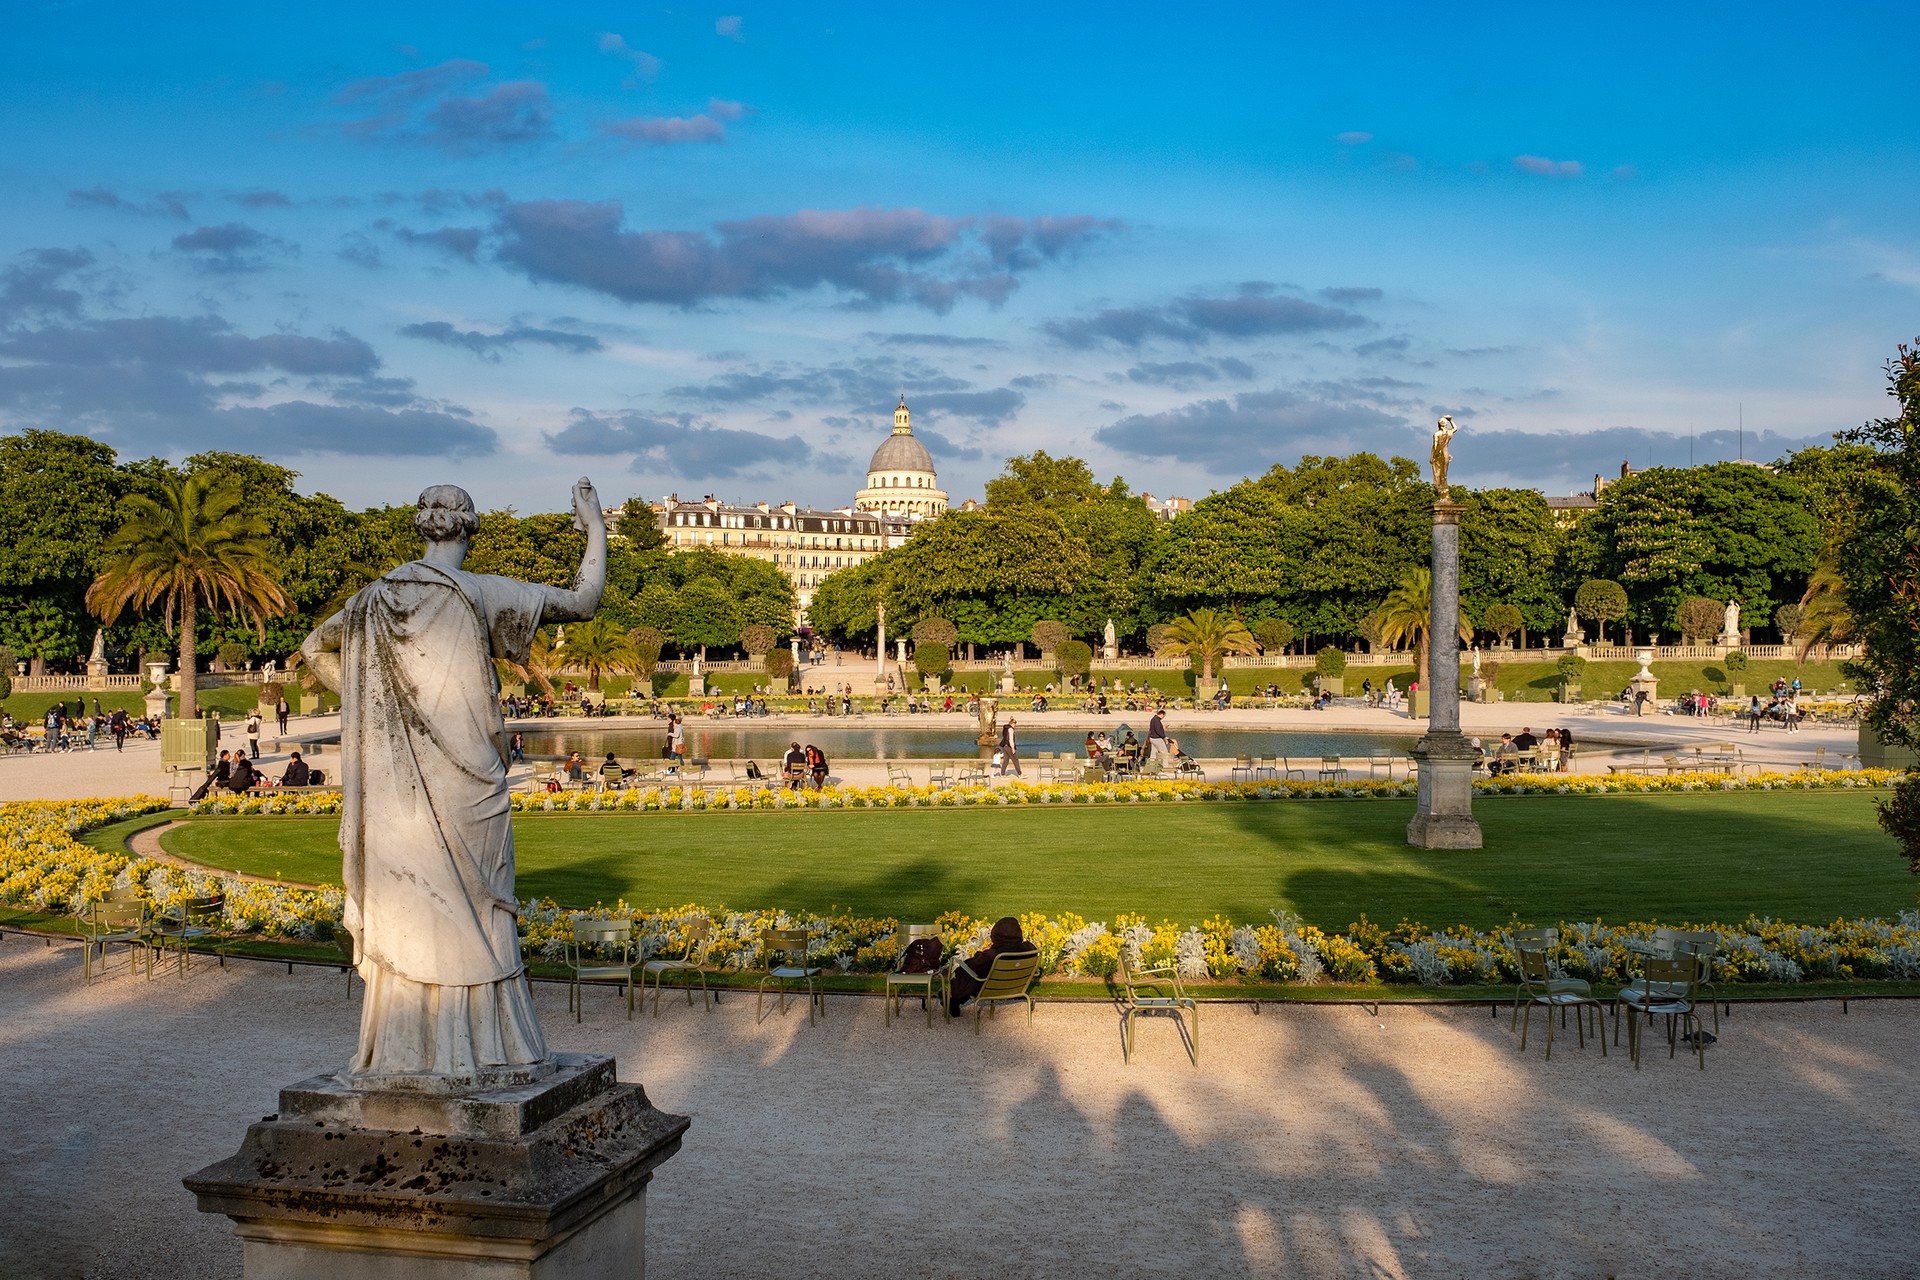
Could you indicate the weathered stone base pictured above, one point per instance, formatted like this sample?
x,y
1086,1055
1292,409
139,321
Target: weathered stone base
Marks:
x,y
541,1180
1443,818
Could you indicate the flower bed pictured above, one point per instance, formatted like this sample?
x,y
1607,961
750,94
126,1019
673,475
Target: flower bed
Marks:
x,y
728,798
44,866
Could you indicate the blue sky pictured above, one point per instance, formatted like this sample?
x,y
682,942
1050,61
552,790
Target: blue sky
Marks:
x,y
701,250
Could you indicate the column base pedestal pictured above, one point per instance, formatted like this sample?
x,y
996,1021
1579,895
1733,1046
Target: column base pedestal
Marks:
x,y
1444,818
541,1181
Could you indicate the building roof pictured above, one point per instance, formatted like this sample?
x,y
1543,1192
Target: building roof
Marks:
x,y
901,452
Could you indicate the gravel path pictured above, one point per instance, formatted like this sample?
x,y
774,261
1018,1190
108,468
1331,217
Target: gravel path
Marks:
x,y
1311,1141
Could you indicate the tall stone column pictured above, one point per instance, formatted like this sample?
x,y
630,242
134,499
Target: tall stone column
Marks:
x,y
1444,816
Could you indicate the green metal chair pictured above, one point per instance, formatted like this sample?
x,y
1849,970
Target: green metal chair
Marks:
x,y
929,984
1009,978
1154,991
121,918
179,927
691,960
785,952
1669,987
1045,766
1544,940
1536,975
599,949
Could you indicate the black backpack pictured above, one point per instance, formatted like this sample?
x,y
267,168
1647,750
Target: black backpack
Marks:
x,y
922,956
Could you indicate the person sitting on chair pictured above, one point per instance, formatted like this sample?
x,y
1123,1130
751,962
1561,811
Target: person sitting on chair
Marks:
x,y
816,766
297,772
240,777
794,766
965,983
611,774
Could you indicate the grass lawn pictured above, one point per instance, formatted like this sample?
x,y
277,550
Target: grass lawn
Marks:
x,y
1805,857
231,701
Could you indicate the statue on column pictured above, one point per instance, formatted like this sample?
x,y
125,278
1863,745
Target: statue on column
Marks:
x,y
1442,434
426,827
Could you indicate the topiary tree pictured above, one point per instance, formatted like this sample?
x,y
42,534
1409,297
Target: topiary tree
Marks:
x,y
1788,619
1274,634
1075,657
780,663
935,631
1159,635
1050,635
1330,661
232,655
1570,667
1698,618
1737,660
1503,620
757,639
931,659
1601,599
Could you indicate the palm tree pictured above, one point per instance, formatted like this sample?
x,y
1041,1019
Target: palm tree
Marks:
x,y
543,659
1825,618
1208,635
599,648
1406,616
193,545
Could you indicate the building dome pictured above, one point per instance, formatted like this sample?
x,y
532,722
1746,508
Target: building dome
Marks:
x,y
901,453
901,478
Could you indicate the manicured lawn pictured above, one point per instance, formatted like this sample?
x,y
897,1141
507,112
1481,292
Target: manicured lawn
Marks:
x,y
1805,857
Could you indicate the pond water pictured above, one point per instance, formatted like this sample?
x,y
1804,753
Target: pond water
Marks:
x,y
762,741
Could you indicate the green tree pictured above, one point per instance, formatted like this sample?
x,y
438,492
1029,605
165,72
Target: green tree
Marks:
x,y
1073,657
1206,636
1602,600
1699,618
1725,531
1039,478
1330,661
1879,564
647,643
935,631
1274,634
1503,620
705,615
1049,635
757,639
59,498
931,659
195,545
1510,547
1787,620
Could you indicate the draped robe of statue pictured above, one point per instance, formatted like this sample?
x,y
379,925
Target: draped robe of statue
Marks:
x,y
426,823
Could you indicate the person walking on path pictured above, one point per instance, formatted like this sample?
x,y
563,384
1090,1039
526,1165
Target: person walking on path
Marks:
x,y
1009,750
677,741
253,734
280,713
118,726
1157,736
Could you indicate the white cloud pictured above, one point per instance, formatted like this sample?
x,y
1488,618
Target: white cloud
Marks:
x,y
1549,168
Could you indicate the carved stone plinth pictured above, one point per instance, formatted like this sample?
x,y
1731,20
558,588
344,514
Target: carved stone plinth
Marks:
x,y
1443,817
542,1180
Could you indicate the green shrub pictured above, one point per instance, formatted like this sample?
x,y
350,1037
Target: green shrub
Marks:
x,y
1900,816
931,659
757,639
1274,634
1075,657
1330,661
780,663
1050,635
1570,666
1737,661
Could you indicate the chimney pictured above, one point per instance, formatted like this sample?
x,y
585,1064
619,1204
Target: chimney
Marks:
x,y
762,507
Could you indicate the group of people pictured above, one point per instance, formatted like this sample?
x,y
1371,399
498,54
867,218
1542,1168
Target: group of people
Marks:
x,y
79,729
800,766
238,772
1554,749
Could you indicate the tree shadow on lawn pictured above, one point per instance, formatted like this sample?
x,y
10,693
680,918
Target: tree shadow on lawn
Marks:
x,y
1808,857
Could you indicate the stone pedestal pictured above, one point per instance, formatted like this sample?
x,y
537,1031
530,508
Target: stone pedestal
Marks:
x,y
1006,684
696,686
1443,815
536,1180
1644,681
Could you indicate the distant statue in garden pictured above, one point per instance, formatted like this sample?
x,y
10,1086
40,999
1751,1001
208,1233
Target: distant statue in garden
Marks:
x,y
426,824
1442,434
1730,626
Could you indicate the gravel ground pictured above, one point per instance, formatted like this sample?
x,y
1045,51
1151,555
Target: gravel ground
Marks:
x,y
1310,1141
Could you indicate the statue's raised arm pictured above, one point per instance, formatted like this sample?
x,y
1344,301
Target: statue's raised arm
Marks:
x,y
583,600
1442,433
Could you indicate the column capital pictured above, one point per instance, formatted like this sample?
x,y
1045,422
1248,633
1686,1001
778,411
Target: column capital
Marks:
x,y
1447,511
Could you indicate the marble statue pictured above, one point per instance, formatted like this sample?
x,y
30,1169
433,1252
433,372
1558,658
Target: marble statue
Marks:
x,y
99,654
425,829
1112,639
1730,625
1476,661
1573,623
1442,434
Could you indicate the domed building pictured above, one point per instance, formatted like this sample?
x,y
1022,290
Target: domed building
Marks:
x,y
901,479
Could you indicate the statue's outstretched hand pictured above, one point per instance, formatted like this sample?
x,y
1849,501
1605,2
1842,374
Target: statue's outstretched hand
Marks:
x,y
586,505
